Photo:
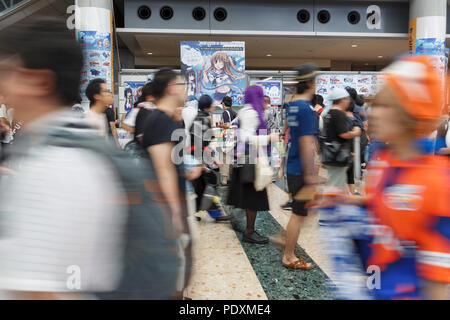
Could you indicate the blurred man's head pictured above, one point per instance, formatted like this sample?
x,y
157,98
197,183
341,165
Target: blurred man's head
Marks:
x,y
267,101
147,92
171,87
227,102
306,75
41,68
205,103
340,98
98,93
409,105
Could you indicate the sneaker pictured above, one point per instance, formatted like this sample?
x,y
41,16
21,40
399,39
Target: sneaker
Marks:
x,y
287,205
223,218
255,238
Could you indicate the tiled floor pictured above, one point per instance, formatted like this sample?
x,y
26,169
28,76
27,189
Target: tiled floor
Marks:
x,y
222,269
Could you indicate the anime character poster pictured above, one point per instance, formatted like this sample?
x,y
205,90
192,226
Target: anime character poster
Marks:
x,y
214,68
131,93
97,57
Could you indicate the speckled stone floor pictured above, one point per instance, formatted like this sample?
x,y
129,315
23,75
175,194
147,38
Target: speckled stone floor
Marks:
x,y
278,282
225,268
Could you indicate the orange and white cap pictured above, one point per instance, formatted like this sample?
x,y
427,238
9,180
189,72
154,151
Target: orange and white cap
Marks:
x,y
418,88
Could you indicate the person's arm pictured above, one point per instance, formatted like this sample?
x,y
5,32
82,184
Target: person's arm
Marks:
x,y
340,121
356,132
112,125
128,128
307,145
249,126
161,155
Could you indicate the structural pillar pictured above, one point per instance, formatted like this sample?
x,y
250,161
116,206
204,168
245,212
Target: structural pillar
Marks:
x,y
427,29
94,31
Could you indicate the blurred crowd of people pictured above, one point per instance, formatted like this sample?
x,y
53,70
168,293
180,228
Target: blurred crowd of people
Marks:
x,y
82,217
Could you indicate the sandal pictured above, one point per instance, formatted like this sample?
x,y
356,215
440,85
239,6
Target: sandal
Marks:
x,y
299,264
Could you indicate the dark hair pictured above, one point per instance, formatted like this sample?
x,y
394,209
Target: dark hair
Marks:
x,y
352,92
147,90
351,106
228,101
318,99
205,102
302,86
94,88
337,101
161,80
47,44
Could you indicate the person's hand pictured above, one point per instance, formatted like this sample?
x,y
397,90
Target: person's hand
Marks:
x,y
274,137
177,225
444,151
313,179
357,131
194,173
4,128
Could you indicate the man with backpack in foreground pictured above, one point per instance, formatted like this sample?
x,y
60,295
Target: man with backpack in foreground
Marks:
x,y
76,220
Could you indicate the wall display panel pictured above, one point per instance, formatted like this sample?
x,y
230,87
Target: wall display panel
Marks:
x,y
216,68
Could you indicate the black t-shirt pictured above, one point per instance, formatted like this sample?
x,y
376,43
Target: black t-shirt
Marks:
x,y
139,125
336,123
158,129
110,118
229,115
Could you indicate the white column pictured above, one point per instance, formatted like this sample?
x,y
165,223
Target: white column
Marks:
x,y
95,33
427,29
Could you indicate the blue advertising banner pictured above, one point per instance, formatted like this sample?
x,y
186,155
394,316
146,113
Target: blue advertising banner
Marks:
x,y
272,89
214,68
97,57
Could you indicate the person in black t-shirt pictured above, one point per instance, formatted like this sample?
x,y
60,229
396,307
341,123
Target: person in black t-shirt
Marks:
x,y
162,126
228,115
336,126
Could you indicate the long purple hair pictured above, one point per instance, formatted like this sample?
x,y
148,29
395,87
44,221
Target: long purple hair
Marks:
x,y
254,95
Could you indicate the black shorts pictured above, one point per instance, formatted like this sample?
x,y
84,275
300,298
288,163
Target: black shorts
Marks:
x,y
295,183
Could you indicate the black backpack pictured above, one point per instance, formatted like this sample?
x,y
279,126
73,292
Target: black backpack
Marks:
x,y
150,266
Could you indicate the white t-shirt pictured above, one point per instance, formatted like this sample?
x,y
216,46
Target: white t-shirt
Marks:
x,y
2,111
99,121
58,218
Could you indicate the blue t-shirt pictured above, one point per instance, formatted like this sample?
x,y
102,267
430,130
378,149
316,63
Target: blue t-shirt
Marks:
x,y
302,121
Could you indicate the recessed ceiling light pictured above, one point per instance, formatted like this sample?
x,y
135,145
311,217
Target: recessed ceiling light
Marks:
x,y
366,63
269,55
380,57
150,53
354,45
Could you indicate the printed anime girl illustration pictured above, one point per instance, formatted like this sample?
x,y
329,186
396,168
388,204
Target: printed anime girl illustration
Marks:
x,y
129,100
221,75
191,79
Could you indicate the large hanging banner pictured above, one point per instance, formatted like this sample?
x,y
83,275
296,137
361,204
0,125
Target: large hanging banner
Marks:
x,y
365,84
272,89
214,68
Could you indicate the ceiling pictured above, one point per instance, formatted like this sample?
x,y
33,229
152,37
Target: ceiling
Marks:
x,y
286,51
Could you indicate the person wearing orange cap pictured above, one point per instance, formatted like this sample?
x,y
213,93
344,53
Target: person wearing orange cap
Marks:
x,y
407,188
